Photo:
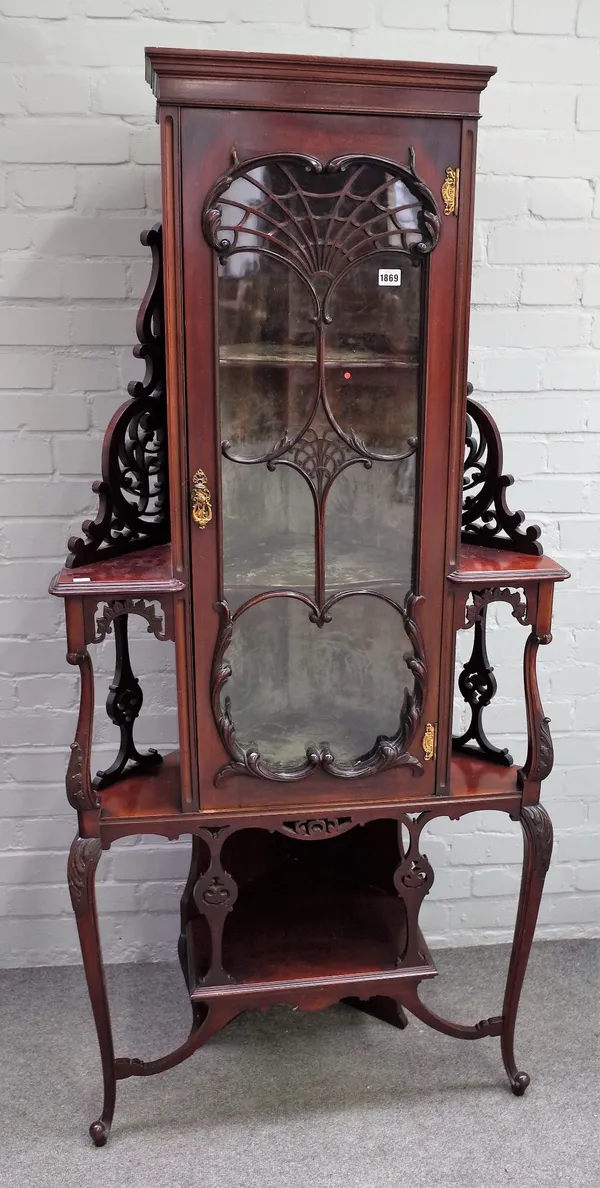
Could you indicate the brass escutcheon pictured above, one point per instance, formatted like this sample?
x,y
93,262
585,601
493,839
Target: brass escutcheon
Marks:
x,y
201,507
428,743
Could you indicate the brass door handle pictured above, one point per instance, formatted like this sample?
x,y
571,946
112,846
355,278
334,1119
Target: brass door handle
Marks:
x,y
201,506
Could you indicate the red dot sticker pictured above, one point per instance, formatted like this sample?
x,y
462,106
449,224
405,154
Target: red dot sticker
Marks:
x,y
347,375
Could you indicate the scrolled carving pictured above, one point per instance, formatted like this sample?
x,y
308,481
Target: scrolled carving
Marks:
x,y
125,697
133,494
546,757
80,791
215,894
129,606
540,752
480,599
284,216
386,752
486,518
83,859
537,824
316,828
478,686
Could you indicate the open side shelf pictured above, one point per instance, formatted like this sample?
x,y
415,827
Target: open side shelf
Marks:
x,y
152,798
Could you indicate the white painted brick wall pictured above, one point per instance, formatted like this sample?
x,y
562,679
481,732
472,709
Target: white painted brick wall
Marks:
x,y
78,181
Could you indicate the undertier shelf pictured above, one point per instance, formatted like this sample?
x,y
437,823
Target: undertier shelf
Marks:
x,y
288,929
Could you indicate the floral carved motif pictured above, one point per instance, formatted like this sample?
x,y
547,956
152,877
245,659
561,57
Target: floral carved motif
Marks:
x,y
317,827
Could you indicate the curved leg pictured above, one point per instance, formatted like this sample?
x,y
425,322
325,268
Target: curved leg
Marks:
x,y
412,1002
214,1018
81,871
386,1009
537,843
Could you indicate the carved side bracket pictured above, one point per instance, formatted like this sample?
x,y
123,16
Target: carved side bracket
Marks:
x,y
84,856
486,518
114,609
80,790
540,752
413,880
133,493
477,682
214,895
480,600
478,686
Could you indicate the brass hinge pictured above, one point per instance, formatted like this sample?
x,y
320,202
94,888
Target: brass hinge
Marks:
x,y
450,190
428,743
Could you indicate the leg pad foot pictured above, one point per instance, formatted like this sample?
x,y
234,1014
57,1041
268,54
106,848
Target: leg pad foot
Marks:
x,y
519,1083
99,1132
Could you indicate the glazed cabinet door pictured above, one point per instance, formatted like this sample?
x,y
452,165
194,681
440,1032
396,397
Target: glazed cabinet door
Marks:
x,y
318,351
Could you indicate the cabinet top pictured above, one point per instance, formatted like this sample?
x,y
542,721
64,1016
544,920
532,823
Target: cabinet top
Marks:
x,y
221,78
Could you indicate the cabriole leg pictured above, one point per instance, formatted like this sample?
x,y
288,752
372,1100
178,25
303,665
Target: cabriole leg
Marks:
x,y
537,843
83,860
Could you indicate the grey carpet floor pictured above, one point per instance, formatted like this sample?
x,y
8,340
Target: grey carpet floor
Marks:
x,y
288,1099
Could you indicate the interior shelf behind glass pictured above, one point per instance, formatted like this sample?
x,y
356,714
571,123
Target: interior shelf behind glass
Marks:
x,y
276,354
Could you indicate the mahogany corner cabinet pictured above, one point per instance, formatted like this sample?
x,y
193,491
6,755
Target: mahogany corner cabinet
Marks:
x,y
302,494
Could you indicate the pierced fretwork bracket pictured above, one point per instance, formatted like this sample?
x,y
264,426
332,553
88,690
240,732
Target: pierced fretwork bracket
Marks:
x,y
125,697
477,682
486,519
133,493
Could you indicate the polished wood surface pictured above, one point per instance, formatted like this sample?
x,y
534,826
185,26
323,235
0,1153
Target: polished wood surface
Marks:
x,y
305,883
146,572
480,563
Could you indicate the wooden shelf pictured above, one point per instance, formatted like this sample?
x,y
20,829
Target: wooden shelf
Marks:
x,y
154,796
288,562
286,929
147,571
274,355
477,563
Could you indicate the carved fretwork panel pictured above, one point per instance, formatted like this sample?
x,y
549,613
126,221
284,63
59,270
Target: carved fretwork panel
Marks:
x,y
286,215
133,493
387,751
486,518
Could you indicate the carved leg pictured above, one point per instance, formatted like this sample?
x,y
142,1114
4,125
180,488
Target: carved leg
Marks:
x,y
214,895
413,880
83,860
537,842
478,686
386,1009
123,706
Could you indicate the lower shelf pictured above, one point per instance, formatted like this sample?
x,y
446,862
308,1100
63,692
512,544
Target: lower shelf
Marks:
x,y
282,932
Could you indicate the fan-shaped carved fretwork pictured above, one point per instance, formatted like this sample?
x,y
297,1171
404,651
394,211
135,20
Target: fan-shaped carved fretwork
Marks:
x,y
288,218
486,519
133,493
385,753
371,205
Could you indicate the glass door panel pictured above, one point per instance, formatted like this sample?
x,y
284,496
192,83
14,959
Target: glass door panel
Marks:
x,y
321,283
